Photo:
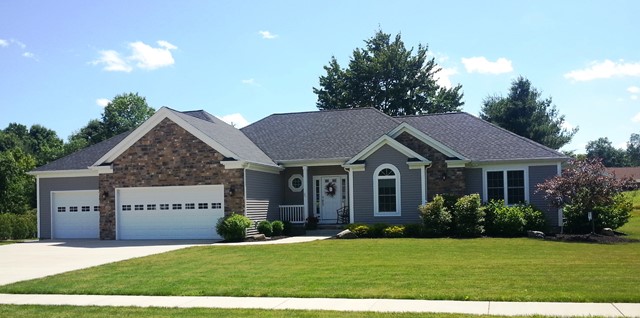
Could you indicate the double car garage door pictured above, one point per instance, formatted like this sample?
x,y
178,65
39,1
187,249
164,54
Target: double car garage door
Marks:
x,y
184,212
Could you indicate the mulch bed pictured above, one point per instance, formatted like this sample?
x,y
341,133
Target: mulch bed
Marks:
x,y
591,238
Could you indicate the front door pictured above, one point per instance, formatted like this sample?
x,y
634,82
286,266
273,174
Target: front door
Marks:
x,y
331,195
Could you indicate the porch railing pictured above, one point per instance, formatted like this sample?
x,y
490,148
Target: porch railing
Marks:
x,y
292,213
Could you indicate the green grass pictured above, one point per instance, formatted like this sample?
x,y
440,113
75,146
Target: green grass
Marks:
x,y
29,311
632,228
475,269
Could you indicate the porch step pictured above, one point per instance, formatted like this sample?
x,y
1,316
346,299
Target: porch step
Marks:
x,y
324,231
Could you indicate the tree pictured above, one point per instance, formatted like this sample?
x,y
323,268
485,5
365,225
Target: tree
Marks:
x,y
38,141
525,113
16,186
125,112
633,150
584,187
603,149
387,76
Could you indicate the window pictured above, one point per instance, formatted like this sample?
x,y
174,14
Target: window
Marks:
x,y
386,191
177,206
151,207
203,206
96,208
164,206
138,207
189,206
507,185
73,209
126,207
86,208
62,209
295,183
216,205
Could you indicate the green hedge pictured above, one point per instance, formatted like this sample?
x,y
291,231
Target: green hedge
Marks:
x,y
18,226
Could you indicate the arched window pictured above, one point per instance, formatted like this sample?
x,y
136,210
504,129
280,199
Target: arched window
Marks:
x,y
386,191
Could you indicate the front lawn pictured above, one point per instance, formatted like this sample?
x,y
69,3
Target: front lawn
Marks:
x,y
633,227
473,269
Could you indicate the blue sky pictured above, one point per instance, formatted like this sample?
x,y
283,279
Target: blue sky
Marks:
x,y
61,60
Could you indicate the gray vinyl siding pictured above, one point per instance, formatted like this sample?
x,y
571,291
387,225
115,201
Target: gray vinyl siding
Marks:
x,y
473,181
538,174
59,184
264,194
409,183
290,197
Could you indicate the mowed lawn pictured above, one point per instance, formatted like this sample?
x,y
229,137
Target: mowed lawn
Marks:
x,y
473,269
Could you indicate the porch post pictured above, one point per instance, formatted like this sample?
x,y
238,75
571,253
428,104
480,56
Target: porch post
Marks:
x,y
351,212
305,192
423,184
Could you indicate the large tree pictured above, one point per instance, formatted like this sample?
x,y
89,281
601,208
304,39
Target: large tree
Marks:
x,y
125,112
603,150
17,188
633,150
387,76
38,141
527,114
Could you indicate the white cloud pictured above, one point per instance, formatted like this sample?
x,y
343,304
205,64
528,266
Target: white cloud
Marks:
x,y
636,118
30,55
4,43
633,89
604,69
150,58
267,35
102,102
481,65
112,62
20,44
237,120
251,82
442,77
634,97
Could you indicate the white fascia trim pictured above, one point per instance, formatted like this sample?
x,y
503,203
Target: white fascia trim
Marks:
x,y
457,163
405,127
521,162
312,162
64,173
102,169
152,122
386,140
418,164
248,165
355,167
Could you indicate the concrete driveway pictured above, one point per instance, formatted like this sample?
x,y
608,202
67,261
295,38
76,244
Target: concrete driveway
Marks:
x,y
22,261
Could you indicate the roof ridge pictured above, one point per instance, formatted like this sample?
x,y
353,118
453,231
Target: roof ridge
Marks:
x,y
537,144
431,115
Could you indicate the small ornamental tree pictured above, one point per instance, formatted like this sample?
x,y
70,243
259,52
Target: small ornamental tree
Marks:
x,y
584,187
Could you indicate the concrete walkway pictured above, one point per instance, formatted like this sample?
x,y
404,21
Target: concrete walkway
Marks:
x,y
339,304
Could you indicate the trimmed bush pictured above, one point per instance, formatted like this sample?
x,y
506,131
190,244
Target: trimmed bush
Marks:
x,y
18,226
5,226
233,227
377,230
395,231
264,227
612,216
533,218
277,227
413,230
468,217
361,230
435,217
503,221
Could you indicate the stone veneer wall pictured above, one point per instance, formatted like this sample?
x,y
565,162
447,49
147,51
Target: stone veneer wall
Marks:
x,y
167,155
454,182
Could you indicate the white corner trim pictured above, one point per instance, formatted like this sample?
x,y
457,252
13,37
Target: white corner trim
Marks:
x,y
305,191
386,140
457,163
405,127
376,208
351,207
38,204
152,122
290,183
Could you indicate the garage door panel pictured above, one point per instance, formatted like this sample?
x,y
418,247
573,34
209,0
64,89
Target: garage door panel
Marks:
x,y
192,212
75,214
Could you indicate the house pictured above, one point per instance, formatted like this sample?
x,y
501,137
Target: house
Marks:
x,y
632,173
176,174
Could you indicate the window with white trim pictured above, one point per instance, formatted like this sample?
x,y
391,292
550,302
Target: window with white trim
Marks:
x,y
386,191
507,185
295,183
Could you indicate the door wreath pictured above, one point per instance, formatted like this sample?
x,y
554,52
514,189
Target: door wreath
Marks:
x,y
330,189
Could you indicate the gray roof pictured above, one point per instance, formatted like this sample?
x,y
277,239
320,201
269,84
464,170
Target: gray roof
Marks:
x,y
479,140
226,135
328,134
84,158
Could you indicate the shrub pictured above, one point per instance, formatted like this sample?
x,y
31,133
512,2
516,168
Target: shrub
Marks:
x,y
377,230
533,218
395,231
5,226
613,216
504,221
232,227
18,226
277,227
468,217
361,230
264,227
450,200
413,230
435,217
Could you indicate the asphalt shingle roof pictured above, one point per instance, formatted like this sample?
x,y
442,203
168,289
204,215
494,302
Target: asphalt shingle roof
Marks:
x,y
84,158
479,140
319,134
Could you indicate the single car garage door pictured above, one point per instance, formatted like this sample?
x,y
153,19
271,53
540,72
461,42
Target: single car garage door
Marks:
x,y
184,212
75,214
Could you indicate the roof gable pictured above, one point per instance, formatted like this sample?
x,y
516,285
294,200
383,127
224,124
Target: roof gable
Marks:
x,y
382,141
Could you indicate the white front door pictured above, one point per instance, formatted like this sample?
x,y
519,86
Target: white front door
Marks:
x,y
331,195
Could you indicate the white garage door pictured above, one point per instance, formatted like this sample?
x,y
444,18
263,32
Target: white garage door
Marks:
x,y
75,214
185,212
